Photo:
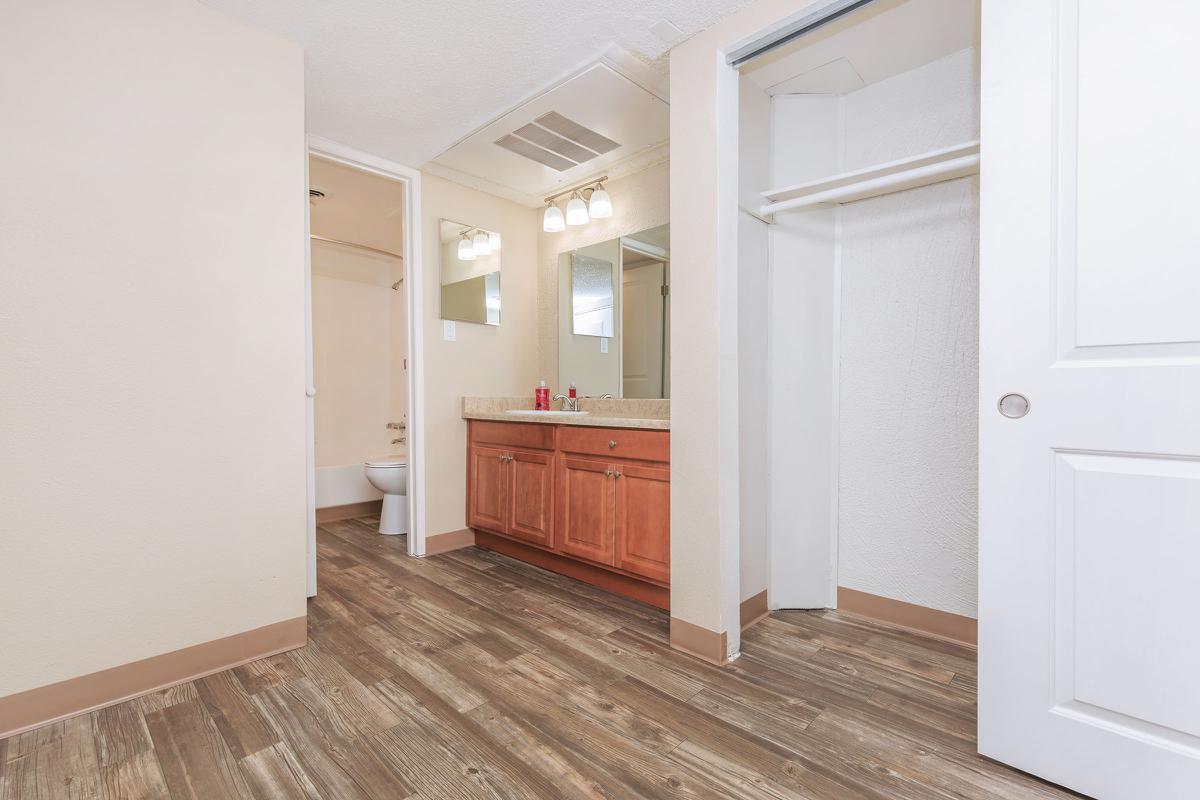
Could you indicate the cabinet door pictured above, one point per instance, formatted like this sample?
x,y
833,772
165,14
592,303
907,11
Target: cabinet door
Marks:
x,y
585,506
488,489
531,497
642,527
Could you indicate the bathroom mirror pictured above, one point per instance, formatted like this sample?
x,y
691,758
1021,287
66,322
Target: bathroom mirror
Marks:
x,y
614,311
470,273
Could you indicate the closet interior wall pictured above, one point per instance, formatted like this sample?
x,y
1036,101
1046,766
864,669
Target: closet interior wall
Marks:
x,y
871,347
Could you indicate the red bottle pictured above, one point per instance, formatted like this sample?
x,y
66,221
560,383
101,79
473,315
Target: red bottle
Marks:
x,y
541,398
571,392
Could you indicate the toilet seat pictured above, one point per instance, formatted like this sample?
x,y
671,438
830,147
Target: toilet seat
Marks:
x,y
388,461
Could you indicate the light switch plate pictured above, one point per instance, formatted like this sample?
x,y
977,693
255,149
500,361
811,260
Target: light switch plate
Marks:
x,y
449,330
603,344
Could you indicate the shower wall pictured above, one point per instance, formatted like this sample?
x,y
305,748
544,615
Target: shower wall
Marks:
x,y
358,335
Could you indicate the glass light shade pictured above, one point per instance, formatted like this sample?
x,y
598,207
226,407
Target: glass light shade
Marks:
x,y
600,206
482,244
494,239
552,220
466,251
577,213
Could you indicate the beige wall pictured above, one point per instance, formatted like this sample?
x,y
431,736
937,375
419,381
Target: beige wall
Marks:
x,y
485,359
152,422
705,478
640,201
353,352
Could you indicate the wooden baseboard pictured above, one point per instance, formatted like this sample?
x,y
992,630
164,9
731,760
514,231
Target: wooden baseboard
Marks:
x,y
943,624
36,707
753,609
616,582
445,542
366,508
700,642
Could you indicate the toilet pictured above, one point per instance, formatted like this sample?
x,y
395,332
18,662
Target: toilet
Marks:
x,y
389,474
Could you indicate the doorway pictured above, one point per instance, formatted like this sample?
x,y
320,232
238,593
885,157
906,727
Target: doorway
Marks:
x,y
380,276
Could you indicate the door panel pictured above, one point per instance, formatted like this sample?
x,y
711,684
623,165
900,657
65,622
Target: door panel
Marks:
x,y
585,501
1090,504
642,331
643,520
488,493
531,492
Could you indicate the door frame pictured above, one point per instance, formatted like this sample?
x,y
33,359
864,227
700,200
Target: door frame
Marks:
x,y
410,179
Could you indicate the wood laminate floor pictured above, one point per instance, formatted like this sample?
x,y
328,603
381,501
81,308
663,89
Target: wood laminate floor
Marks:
x,y
469,675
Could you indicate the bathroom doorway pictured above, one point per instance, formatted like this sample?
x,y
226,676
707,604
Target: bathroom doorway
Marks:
x,y
363,322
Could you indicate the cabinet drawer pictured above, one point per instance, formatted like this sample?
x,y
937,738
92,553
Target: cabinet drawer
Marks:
x,y
513,434
616,442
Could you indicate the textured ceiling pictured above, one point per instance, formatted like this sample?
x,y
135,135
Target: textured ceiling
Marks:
x,y
404,80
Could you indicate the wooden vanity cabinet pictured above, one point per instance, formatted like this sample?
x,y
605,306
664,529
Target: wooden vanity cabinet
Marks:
x,y
592,503
510,481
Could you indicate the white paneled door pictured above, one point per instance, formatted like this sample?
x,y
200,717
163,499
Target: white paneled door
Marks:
x,y
1090,310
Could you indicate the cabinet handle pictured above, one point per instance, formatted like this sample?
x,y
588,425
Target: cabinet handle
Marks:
x,y
612,443
608,473
617,473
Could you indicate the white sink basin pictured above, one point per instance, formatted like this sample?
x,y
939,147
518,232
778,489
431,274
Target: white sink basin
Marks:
x,y
529,412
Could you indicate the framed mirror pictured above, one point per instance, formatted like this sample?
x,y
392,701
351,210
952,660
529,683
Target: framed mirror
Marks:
x,y
470,273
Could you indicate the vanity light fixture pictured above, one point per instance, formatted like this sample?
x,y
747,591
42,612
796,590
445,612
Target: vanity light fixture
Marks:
x,y
466,250
494,241
587,201
552,220
577,213
600,206
481,243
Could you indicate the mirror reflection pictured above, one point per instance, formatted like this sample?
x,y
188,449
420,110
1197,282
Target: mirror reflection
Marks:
x,y
470,273
614,316
591,296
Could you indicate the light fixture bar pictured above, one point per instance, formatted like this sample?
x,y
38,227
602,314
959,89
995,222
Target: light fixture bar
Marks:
x,y
579,187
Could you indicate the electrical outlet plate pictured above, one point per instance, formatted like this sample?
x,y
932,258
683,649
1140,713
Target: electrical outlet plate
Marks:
x,y
449,330
603,344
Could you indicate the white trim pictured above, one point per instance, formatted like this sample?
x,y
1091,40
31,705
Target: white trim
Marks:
x,y
414,294
310,422
728,466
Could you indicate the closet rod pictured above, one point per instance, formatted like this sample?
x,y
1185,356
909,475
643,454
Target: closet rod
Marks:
x,y
886,184
358,246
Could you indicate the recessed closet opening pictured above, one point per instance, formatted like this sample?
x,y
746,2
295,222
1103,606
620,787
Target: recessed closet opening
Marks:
x,y
858,313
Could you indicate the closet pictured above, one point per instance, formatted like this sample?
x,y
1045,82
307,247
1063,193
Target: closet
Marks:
x,y
859,310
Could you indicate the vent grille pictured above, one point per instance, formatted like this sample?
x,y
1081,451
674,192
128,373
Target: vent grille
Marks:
x,y
557,142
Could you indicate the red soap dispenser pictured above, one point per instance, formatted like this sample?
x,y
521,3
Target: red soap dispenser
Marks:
x,y
541,397
571,394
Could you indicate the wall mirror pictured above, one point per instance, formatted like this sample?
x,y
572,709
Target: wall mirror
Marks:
x,y
614,311
470,272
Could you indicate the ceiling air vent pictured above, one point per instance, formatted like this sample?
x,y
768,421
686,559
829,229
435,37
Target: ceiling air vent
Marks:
x,y
557,142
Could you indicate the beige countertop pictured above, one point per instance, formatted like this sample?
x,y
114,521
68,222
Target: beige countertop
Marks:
x,y
607,413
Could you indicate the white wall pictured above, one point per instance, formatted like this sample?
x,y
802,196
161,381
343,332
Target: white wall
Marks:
x,y
152,414
484,360
874,352
806,145
356,342
754,380
910,349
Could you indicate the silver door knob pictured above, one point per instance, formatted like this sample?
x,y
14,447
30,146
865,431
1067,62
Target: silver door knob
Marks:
x,y
1013,406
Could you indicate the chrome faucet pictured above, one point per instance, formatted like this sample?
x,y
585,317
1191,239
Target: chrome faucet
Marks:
x,y
568,403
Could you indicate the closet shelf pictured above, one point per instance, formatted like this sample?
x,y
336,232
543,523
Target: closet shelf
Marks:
x,y
894,176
